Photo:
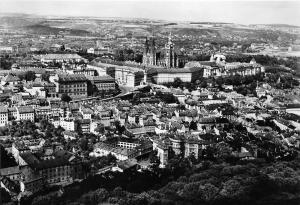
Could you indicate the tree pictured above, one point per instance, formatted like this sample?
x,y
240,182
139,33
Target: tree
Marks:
x,y
231,188
83,143
177,82
100,128
66,98
193,125
208,192
45,77
5,196
29,76
154,159
223,150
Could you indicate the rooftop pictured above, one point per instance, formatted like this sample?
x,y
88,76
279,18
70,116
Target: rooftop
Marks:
x,y
25,109
71,78
61,56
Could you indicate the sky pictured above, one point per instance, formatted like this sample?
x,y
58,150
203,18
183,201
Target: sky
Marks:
x,y
243,12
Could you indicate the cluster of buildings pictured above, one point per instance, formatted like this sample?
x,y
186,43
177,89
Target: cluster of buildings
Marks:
x,y
38,165
73,77
165,125
184,128
216,67
130,130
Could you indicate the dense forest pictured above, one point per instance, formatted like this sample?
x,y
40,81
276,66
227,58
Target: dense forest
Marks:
x,y
254,183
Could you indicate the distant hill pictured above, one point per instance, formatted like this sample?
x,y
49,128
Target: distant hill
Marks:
x,y
276,25
46,30
17,21
210,23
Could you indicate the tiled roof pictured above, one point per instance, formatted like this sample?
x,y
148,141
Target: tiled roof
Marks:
x,y
61,56
25,109
11,78
3,109
71,78
173,70
10,171
105,78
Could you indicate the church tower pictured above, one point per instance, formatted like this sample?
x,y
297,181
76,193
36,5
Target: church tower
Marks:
x,y
170,61
149,55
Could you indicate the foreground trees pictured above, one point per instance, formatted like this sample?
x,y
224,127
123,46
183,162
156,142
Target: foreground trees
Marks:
x,y
207,183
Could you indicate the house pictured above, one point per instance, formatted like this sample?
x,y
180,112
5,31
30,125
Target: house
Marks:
x,y
35,89
43,112
86,113
101,149
10,80
162,147
209,123
102,84
68,124
12,113
12,173
70,135
61,167
100,70
74,85
3,116
62,58
85,125
13,187
25,113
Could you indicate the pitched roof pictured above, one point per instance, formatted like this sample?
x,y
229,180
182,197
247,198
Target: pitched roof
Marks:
x,y
25,109
105,78
173,70
10,171
11,78
62,56
3,109
71,77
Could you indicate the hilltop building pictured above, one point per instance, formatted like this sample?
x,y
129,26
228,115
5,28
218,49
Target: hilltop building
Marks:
x,y
167,58
218,67
149,55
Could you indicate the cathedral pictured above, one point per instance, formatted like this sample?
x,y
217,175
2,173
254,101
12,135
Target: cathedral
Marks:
x,y
149,55
167,57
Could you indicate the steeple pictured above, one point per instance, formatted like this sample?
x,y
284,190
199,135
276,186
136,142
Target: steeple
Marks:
x,y
149,56
170,60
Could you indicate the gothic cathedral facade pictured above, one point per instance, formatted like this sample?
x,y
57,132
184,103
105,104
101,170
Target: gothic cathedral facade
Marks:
x,y
167,58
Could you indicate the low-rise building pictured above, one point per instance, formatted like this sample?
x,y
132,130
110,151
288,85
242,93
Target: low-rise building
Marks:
x,y
3,116
25,113
102,84
62,58
74,85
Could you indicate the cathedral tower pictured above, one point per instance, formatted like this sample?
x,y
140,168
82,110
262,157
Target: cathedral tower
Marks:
x,y
170,61
149,55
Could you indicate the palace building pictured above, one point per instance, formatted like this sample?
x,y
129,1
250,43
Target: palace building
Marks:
x,y
75,85
218,67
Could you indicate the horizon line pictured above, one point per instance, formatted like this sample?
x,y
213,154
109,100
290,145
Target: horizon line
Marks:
x,y
137,18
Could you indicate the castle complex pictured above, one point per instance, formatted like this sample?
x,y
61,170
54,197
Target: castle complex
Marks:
x,y
167,58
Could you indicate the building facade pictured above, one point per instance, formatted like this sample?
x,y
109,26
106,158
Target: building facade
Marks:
x,y
149,55
3,116
74,85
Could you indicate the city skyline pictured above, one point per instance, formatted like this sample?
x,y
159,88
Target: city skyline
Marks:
x,y
245,12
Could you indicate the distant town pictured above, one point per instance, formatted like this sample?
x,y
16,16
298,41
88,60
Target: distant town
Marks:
x,y
137,111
